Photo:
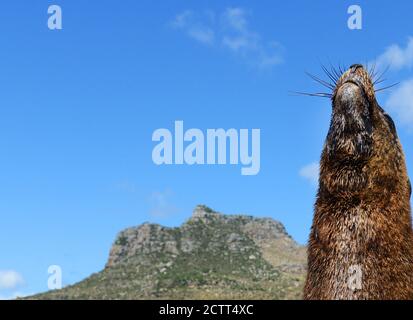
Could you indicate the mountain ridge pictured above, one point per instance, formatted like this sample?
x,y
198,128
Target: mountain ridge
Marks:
x,y
210,256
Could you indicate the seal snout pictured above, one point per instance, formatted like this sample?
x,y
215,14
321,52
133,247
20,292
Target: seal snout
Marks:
x,y
350,134
350,99
355,83
348,92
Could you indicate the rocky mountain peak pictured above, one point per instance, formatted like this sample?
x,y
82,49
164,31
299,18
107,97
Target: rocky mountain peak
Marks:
x,y
147,238
202,211
210,256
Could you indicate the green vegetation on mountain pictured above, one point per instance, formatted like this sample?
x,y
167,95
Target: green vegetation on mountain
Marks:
x,y
211,256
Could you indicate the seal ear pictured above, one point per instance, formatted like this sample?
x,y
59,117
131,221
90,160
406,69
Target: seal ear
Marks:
x,y
389,121
391,124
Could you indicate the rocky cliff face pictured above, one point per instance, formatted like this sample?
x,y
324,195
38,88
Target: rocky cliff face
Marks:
x,y
211,256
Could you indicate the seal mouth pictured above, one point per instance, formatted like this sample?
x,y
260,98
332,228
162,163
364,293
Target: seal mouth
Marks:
x,y
355,76
350,92
355,82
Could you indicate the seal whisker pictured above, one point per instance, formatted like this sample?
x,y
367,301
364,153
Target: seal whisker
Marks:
x,y
388,87
336,72
375,78
318,94
373,70
379,81
367,67
330,75
322,82
341,69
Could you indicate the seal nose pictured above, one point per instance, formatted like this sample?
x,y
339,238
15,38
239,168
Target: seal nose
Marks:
x,y
354,67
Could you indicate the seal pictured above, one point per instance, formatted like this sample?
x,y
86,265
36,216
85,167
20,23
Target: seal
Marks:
x,y
361,240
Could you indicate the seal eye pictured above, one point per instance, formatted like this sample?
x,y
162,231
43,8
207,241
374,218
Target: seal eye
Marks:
x,y
410,188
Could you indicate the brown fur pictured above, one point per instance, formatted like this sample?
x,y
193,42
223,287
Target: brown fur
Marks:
x,y
362,211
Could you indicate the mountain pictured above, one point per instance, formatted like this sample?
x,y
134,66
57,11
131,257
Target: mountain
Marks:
x,y
211,256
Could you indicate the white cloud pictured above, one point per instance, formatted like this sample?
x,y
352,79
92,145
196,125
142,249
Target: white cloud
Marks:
x,y
238,37
236,43
203,35
195,27
310,172
236,18
397,57
126,186
182,19
400,103
231,32
10,279
160,204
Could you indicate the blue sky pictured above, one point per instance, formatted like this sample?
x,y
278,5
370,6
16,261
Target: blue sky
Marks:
x,y
79,106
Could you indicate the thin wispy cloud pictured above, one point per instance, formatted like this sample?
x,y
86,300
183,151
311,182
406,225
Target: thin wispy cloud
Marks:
x,y
197,27
10,279
396,57
241,39
400,103
230,30
235,17
310,172
161,206
126,186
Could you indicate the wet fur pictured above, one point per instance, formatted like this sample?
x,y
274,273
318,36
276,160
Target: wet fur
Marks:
x,y
362,211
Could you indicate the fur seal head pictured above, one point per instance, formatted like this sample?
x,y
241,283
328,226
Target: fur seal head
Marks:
x,y
360,131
